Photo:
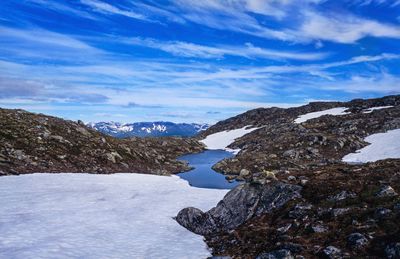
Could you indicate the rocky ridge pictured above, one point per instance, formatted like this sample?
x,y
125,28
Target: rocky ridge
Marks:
x,y
340,210
31,143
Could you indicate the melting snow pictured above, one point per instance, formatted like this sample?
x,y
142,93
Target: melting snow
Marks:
x,y
221,140
383,146
377,108
313,115
99,216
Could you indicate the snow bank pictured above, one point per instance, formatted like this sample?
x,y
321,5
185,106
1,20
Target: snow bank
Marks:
x,y
377,108
221,140
99,216
383,146
313,115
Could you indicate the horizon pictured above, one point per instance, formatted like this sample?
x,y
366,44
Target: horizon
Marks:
x,y
193,62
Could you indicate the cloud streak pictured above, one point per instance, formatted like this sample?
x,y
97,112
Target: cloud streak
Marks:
x,y
186,49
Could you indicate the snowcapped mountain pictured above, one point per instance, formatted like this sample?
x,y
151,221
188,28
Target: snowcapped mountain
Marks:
x,y
148,129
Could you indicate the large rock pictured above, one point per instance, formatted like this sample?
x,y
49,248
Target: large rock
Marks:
x,y
238,206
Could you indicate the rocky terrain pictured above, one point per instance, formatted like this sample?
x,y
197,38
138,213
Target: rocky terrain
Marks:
x,y
37,143
300,200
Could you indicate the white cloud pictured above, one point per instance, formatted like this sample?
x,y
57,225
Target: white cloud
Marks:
x,y
186,49
309,25
344,28
383,83
111,9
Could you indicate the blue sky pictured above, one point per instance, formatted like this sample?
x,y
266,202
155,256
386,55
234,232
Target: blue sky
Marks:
x,y
193,61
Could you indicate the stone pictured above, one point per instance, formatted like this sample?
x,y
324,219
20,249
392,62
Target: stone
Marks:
x,y
300,211
278,254
244,173
382,213
319,228
269,175
196,221
57,138
113,156
357,241
284,228
83,131
343,195
332,252
340,211
386,191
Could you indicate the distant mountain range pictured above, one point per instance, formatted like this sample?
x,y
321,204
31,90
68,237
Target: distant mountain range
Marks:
x,y
148,129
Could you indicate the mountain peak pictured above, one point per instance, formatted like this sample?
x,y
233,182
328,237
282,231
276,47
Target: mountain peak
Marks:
x,y
148,129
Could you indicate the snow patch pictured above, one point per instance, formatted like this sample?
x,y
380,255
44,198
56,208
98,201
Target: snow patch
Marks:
x,y
312,115
221,140
99,216
369,110
382,146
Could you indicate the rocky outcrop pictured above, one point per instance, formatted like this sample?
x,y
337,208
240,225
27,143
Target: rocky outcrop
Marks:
x,y
244,202
31,143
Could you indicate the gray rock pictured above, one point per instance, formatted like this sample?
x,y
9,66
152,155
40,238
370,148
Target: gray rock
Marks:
x,y
340,211
332,252
386,191
319,228
393,251
284,228
382,213
343,195
357,241
278,254
239,205
299,211
244,173
291,153
196,221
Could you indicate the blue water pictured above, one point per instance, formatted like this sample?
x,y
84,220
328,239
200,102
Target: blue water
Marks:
x,y
203,176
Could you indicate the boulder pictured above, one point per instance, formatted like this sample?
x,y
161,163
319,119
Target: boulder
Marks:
x,y
239,205
196,221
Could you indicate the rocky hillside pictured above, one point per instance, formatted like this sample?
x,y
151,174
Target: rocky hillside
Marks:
x,y
300,200
282,144
37,143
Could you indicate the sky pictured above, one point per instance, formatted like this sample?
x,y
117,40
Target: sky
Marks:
x,y
193,61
